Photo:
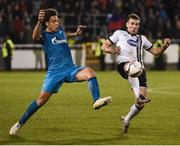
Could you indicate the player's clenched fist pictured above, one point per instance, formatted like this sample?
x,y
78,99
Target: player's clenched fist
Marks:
x,y
41,15
80,29
167,42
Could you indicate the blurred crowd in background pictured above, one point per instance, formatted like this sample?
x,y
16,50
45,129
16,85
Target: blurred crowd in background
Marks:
x,y
160,18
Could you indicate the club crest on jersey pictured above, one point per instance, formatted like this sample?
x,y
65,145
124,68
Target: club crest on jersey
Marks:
x,y
132,42
56,41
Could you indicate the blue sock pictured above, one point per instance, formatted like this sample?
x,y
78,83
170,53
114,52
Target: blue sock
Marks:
x,y
33,107
94,88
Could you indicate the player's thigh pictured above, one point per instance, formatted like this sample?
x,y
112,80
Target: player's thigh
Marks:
x,y
52,84
85,74
121,70
71,75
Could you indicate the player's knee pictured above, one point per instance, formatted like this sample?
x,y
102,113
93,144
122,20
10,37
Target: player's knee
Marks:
x,y
90,73
42,100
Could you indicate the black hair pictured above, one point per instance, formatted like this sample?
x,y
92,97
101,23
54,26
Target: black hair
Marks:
x,y
48,13
133,16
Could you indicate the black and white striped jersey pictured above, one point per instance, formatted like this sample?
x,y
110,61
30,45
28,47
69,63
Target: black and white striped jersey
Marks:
x,y
131,46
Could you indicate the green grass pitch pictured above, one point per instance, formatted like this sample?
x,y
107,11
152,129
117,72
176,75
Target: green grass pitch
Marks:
x,y
68,118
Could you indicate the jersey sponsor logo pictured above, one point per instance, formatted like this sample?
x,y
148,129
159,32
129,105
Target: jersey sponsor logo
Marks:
x,y
56,41
132,42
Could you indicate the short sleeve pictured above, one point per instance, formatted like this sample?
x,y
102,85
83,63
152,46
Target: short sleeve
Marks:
x,y
147,45
114,38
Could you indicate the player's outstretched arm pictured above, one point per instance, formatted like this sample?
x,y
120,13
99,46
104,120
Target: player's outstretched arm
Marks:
x,y
108,47
37,29
159,50
78,32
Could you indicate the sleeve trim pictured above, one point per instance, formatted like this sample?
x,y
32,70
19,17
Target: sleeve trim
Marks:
x,y
111,41
149,48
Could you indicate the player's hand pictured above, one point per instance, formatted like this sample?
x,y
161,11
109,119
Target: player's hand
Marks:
x,y
117,50
41,16
167,42
80,29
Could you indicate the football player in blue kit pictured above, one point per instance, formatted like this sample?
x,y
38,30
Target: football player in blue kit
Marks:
x,y
60,65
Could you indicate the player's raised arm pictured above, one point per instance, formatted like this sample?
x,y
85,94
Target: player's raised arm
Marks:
x,y
78,32
108,47
159,50
37,28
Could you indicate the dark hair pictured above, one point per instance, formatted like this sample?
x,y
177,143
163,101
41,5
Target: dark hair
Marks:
x,y
133,16
48,13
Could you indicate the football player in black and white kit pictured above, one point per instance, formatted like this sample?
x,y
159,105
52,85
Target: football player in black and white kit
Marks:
x,y
129,45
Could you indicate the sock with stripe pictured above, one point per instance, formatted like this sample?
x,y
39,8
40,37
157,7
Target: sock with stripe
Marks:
x,y
33,107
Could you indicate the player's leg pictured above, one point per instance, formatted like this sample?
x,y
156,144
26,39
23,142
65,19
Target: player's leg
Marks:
x,y
143,91
50,86
88,74
137,84
33,107
139,88
137,107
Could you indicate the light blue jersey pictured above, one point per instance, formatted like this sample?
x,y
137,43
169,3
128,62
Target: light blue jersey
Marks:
x,y
57,51
59,60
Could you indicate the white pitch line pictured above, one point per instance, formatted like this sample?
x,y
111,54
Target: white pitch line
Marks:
x,y
163,90
157,88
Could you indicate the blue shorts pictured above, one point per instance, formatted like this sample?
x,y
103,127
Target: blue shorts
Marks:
x,y
52,83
